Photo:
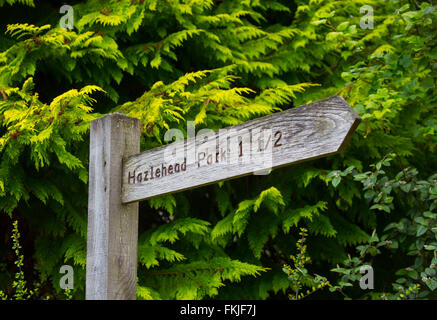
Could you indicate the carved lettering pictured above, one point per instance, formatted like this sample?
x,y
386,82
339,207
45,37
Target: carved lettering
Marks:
x,y
278,135
163,170
199,159
261,142
223,155
131,177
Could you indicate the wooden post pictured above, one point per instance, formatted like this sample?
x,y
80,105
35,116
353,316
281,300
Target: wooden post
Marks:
x,y
116,170
111,268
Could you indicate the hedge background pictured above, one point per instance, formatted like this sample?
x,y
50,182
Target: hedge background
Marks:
x,y
220,63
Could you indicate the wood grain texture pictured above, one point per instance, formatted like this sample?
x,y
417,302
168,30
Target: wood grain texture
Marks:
x,y
307,132
112,238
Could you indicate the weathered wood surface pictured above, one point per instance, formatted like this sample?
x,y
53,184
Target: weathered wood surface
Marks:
x,y
307,132
111,268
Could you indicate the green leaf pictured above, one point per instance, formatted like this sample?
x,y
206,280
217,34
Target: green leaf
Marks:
x,y
431,283
406,187
336,181
429,247
369,194
360,176
430,272
420,231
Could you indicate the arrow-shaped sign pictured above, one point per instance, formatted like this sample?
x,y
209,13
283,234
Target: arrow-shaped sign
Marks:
x,y
307,132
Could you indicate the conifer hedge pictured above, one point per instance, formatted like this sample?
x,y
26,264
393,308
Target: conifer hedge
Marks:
x,y
217,63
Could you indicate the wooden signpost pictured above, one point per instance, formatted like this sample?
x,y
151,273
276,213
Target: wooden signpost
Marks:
x,y
120,176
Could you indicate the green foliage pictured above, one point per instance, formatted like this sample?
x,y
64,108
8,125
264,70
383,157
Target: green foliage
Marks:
x,y
299,275
19,284
68,294
219,63
11,2
413,235
196,280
